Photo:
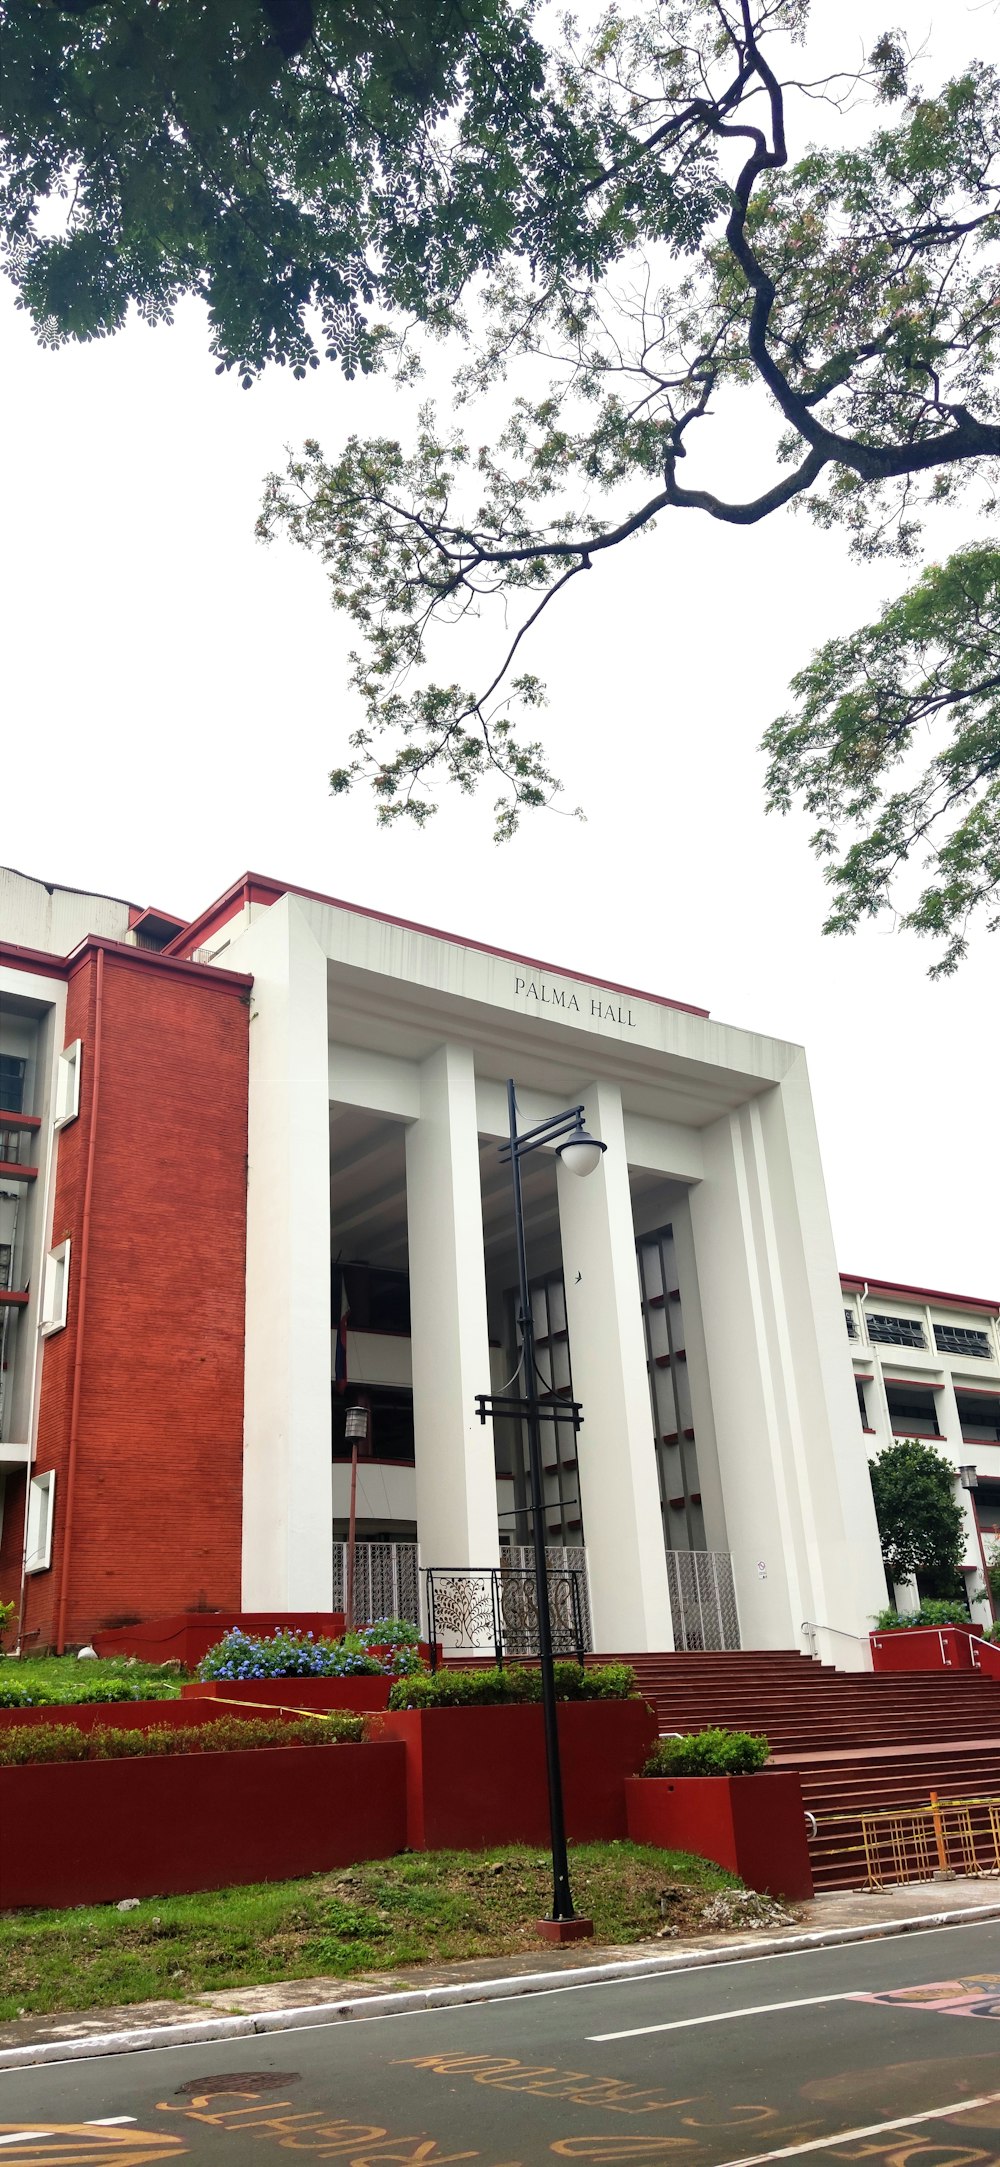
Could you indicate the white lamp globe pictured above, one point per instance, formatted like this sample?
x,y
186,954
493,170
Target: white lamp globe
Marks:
x,y
581,1152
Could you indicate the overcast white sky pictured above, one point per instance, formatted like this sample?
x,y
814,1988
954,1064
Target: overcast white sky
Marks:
x,y
175,695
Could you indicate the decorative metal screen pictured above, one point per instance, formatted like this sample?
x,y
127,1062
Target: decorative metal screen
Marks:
x,y
703,1599
386,1581
560,1560
494,1612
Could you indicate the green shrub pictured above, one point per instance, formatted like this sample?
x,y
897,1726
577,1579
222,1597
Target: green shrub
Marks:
x,y
389,1633
15,1695
511,1686
930,1613
75,1692
709,1753
26,1744
6,1616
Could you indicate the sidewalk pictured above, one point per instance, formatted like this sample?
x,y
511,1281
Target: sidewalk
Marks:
x,y
843,1916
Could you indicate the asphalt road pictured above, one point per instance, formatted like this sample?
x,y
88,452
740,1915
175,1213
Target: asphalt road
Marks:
x,y
880,2052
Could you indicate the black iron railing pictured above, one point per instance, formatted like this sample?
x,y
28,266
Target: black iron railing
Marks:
x,y
494,1611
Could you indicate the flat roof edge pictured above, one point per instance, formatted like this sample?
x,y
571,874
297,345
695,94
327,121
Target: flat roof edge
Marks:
x,y
855,1282
243,889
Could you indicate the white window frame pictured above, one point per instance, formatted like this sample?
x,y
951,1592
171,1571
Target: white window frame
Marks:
x,y
68,1084
41,1512
55,1292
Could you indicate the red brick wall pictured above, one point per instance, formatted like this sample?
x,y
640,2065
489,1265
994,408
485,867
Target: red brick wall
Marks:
x,y
158,1491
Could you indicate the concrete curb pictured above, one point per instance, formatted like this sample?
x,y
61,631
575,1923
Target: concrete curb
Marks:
x,y
413,2001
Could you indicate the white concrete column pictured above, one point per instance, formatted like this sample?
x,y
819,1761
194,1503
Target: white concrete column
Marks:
x,y
949,1422
287,1474
456,1484
791,1455
617,1465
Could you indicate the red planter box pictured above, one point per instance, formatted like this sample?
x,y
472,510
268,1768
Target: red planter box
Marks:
x,y
188,1634
754,1826
476,1776
83,1832
362,1694
930,1647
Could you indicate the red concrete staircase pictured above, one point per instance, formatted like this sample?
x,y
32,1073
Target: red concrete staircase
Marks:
x,y
859,1741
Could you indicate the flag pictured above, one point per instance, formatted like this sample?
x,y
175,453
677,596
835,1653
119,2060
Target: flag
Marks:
x,y
340,1353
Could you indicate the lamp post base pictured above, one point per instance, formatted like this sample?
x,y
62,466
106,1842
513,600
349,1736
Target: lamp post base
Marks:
x,y
560,1930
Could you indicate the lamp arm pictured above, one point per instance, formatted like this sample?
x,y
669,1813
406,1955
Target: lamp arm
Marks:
x,y
545,1133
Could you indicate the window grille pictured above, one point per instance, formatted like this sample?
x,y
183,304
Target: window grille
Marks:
x,y
852,1323
958,1339
703,1599
568,1558
386,1581
896,1331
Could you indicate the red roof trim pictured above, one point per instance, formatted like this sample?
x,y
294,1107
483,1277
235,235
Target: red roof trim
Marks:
x,y
258,888
137,917
139,959
854,1282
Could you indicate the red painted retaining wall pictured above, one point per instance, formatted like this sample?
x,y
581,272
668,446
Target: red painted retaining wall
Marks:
x,y
476,1776
754,1826
364,1693
187,1635
932,1647
94,1831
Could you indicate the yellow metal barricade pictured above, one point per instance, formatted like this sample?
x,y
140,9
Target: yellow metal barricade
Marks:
x,y
944,1838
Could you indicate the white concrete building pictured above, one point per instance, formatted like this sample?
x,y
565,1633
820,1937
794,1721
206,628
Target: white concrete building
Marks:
x,y
686,1293
927,1365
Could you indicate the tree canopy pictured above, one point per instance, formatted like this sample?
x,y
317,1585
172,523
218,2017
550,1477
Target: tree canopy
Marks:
x,y
630,226
277,158
919,1520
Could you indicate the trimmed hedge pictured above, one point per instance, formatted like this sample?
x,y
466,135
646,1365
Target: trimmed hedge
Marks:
x,y
72,1695
709,1753
512,1686
22,1748
931,1613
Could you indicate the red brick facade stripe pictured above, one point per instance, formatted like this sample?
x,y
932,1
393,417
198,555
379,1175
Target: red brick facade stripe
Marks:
x,y
157,1518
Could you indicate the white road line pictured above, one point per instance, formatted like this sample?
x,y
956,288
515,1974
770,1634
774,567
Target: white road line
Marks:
x,y
871,2129
96,2121
719,2016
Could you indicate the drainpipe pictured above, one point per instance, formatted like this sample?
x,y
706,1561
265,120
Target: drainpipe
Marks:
x,y
81,1311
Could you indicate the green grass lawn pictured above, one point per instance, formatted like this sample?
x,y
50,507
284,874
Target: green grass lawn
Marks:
x,y
412,1909
62,1677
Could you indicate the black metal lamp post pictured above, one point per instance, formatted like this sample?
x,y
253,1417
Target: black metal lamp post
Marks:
x,y
582,1153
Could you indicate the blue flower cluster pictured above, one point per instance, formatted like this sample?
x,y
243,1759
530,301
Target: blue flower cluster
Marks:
x,y
284,1655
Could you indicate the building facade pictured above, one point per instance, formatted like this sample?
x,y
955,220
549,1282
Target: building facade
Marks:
x,y
927,1365
278,1197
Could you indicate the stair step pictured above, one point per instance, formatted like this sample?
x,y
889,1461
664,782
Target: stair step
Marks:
x,y
858,1741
